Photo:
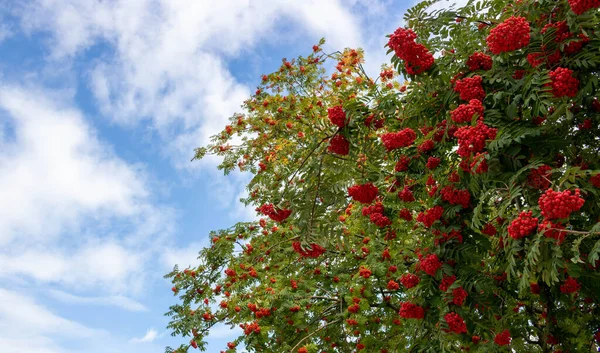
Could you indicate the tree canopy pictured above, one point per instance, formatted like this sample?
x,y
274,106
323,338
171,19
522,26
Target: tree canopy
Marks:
x,y
458,211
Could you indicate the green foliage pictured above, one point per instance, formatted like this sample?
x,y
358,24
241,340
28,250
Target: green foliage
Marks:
x,y
269,277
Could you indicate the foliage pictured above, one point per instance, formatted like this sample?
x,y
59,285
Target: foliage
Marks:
x,y
391,224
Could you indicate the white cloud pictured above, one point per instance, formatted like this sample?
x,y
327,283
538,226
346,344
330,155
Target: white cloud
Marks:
x,y
18,310
26,326
56,171
168,63
183,257
72,212
150,336
116,301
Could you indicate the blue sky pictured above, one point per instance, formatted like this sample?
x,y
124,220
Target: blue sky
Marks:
x,y
101,105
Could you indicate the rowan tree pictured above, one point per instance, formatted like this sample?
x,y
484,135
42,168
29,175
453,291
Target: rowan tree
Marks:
x,y
456,212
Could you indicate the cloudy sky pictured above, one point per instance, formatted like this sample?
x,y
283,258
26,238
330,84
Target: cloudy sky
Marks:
x,y
101,105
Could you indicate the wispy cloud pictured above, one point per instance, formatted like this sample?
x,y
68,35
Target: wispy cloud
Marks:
x,y
150,336
116,301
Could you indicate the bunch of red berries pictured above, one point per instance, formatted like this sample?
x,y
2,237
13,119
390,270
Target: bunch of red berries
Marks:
x,y
464,112
455,323
380,220
394,140
376,215
522,226
563,82
459,295
562,30
447,281
512,34
581,6
478,164
251,327
411,311
456,197
405,214
557,204
409,280
339,145
402,164
364,272
406,195
489,229
276,214
552,230
426,146
364,193
430,216
503,338
471,139
595,180
442,129
570,286
479,61
430,264
416,56
337,116
470,88
432,162
393,285
539,178
315,250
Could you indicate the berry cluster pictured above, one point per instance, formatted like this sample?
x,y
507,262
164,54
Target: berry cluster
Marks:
x,y
278,215
426,146
416,56
364,193
251,327
402,164
464,112
470,88
503,338
409,280
479,61
411,311
380,220
489,229
430,264
570,286
552,230
557,204
337,116
595,180
339,145
430,216
394,140
563,83
364,272
447,281
581,6
406,195
456,197
540,178
405,214
315,250
432,162
522,226
455,323
471,139
512,34
459,295
375,213
393,285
